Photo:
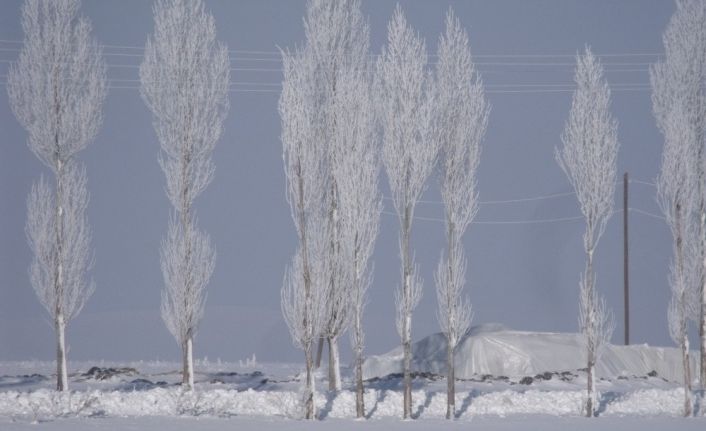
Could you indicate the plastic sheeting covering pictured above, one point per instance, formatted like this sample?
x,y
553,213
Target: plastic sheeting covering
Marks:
x,y
495,350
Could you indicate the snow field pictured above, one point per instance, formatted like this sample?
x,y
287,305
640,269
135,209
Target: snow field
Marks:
x,y
45,404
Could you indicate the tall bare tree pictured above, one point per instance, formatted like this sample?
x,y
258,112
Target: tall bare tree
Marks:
x,y
679,79
461,117
359,203
184,81
57,89
409,155
677,192
306,282
589,159
337,39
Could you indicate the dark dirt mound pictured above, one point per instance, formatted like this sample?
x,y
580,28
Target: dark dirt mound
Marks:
x,y
101,373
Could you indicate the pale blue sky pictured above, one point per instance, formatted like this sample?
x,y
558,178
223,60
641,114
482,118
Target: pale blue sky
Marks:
x,y
524,275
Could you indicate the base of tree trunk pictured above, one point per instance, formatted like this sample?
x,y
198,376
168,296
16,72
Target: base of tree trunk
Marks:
x,y
62,380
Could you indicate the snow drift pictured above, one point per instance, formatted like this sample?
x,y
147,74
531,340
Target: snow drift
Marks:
x,y
496,350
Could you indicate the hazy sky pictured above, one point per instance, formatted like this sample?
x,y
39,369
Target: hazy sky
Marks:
x,y
522,275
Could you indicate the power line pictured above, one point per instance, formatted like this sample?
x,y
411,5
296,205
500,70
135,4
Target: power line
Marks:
x,y
569,86
277,91
524,222
504,201
490,222
475,63
127,54
142,48
137,66
520,222
480,70
647,183
535,198
527,199
553,87
503,55
266,84
649,214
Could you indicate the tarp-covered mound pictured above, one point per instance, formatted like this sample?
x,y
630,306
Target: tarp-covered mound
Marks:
x,y
495,350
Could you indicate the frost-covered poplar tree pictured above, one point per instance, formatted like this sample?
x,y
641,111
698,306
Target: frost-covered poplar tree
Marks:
x,y
589,159
461,117
679,79
337,39
677,192
303,301
359,204
57,89
409,154
307,278
184,81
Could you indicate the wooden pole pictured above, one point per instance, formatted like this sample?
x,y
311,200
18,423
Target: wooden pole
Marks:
x,y
626,279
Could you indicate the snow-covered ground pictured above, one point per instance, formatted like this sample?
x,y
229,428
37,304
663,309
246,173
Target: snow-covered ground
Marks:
x,y
535,422
547,393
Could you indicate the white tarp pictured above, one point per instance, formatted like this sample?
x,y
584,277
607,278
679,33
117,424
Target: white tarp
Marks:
x,y
492,349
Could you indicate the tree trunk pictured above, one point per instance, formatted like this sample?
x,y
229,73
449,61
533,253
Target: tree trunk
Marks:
x,y
591,337
450,381
187,380
319,352
62,380
309,386
687,375
407,379
451,327
685,339
62,383
591,383
359,392
407,330
334,365
702,316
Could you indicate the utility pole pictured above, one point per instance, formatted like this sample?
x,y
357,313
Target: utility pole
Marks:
x,y
626,283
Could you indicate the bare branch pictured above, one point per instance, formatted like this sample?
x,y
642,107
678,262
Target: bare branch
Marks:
x,y
58,85
590,147
589,160
187,260
184,80
56,89
73,253
404,99
454,311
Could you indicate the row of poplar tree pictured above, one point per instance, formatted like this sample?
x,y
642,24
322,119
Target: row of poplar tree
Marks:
x,y
345,115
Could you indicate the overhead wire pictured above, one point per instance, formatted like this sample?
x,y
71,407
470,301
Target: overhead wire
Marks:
x,y
475,55
520,88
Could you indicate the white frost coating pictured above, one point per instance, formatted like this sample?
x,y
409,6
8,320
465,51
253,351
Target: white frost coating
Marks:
x,y
303,296
588,157
184,80
404,94
501,352
303,303
56,89
337,38
334,365
460,117
360,201
679,105
48,405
